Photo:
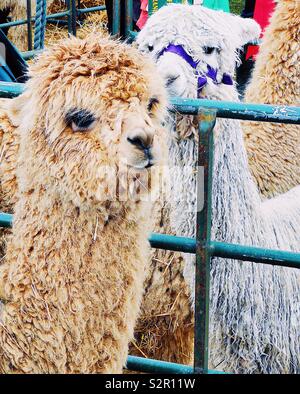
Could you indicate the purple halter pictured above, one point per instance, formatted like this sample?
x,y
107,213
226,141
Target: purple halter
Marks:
x,y
202,79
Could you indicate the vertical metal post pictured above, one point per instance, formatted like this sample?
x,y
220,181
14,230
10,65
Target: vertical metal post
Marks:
x,y
116,17
128,17
29,31
207,119
72,16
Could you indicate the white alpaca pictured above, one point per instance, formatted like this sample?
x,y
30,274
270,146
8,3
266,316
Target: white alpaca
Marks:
x,y
255,309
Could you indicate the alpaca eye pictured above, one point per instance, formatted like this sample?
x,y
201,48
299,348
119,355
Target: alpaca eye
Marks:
x,y
209,50
80,119
152,102
150,48
171,79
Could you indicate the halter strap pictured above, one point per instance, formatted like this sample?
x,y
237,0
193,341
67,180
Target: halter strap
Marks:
x,y
202,79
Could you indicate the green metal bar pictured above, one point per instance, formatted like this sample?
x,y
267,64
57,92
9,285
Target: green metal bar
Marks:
x,y
52,16
29,31
218,249
256,255
9,90
225,109
171,242
91,9
73,15
30,54
207,120
6,220
155,366
244,111
24,21
116,18
58,15
128,17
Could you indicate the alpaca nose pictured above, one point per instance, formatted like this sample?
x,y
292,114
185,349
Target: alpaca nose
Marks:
x,y
142,140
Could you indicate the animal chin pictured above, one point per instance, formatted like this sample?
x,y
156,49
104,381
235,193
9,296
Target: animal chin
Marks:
x,y
142,165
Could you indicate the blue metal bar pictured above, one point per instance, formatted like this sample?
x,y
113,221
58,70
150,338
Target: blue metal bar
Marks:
x,y
256,255
9,89
24,21
52,16
225,109
73,16
91,9
29,31
128,16
206,123
171,242
155,366
218,249
30,54
6,220
243,111
116,18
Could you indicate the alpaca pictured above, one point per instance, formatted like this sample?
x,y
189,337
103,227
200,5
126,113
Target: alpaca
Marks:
x,y
9,145
274,149
244,295
72,279
165,328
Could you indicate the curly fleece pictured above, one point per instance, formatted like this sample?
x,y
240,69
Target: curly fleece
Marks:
x,y
72,280
274,149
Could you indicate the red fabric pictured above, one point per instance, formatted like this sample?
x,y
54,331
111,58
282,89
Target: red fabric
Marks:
x,y
262,12
144,14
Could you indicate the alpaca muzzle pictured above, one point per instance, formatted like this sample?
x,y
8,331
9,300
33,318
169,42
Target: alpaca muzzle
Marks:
x,y
202,78
143,143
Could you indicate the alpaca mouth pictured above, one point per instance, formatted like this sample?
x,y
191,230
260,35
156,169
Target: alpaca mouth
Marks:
x,y
148,163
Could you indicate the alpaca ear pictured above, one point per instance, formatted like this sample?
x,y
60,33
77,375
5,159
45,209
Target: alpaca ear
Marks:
x,y
15,107
246,29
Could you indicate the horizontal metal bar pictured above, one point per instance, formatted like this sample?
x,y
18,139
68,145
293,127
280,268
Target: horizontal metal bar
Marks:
x,y
155,366
171,242
61,22
53,16
24,21
30,54
225,109
256,255
244,111
5,220
9,89
217,249
91,9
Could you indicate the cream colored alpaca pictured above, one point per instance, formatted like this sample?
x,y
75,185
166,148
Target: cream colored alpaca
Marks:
x,y
274,149
72,280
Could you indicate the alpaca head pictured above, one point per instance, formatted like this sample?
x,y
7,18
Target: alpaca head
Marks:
x,y
91,107
188,42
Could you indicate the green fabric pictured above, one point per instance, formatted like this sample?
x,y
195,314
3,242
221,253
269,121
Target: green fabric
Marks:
x,y
217,5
